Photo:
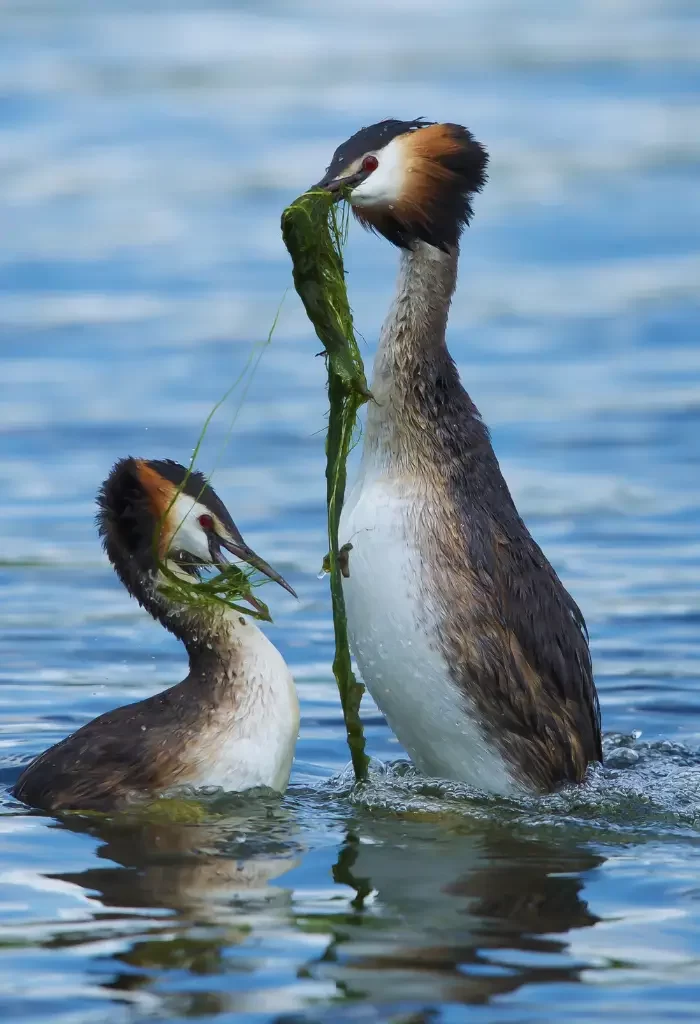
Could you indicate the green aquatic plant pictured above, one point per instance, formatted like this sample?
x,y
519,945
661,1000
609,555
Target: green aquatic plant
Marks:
x,y
162,810
226,590
314,232
233,583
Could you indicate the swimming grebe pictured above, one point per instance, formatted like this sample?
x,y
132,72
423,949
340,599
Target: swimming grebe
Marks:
x,y
233,722
463,632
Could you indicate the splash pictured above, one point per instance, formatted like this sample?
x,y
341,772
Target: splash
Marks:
x,y
643,789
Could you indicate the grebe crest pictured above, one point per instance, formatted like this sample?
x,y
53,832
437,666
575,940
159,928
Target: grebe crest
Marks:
x,y
233,722
464,634
410,180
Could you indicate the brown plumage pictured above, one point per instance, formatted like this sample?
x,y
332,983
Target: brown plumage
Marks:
x,y
513,635
130,752
233,721
513,640
436,161
160,494
436,170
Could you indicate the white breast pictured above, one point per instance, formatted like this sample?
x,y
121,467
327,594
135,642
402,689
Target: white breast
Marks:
x,y
395,649
253,744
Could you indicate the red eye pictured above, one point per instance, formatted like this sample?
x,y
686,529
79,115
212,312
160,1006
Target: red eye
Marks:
x,y
206,522
370,163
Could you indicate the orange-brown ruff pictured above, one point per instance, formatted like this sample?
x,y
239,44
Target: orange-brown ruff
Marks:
x,y
428,157
463,632
233,722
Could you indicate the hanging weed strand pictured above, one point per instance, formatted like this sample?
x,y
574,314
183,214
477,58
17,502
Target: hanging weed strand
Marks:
x,y
314,233
234,583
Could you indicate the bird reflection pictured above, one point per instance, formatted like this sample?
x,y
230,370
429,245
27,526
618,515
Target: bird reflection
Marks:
x,y
457,917
201,871
213,878
457,913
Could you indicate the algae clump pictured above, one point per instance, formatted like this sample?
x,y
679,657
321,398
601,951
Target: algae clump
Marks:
x,y
225,590
314,234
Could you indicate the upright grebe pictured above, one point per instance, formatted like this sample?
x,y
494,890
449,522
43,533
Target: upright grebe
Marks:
x,y
233,722
463,632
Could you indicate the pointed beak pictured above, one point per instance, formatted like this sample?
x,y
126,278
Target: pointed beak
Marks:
x,y
336,186
238,547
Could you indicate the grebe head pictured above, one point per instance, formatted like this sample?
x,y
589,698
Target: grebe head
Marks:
x,y
410,180
143,522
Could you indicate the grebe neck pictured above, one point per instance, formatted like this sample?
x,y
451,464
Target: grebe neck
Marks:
x,y
415,381
214,636
414,330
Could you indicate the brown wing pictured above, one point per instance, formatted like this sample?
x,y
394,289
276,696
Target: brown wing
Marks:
x,y
523,656
551,659
515,637
106,762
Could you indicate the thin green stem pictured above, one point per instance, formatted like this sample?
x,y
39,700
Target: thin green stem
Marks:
x,y
234,583
314,233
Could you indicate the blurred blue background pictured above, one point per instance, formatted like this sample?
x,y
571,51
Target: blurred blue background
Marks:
x,y
145,157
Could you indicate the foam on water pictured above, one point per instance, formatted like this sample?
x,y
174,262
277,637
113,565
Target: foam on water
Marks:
x,y
643,787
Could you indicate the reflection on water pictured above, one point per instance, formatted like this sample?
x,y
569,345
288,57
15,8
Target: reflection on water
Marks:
x,y
195,870
213,886
147,153
428,910
404,894
449,904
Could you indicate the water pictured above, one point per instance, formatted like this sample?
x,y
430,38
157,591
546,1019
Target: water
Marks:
x,y
145,158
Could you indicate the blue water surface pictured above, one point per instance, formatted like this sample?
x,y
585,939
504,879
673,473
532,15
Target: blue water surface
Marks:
x,y
146,155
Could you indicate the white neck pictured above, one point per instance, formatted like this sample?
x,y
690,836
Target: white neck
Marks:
x,y
250,738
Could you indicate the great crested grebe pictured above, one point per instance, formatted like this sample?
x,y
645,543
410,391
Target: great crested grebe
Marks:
x,y
463,632
233,722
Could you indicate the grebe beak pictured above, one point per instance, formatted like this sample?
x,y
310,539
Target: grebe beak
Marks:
x,y
336,186
238,547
